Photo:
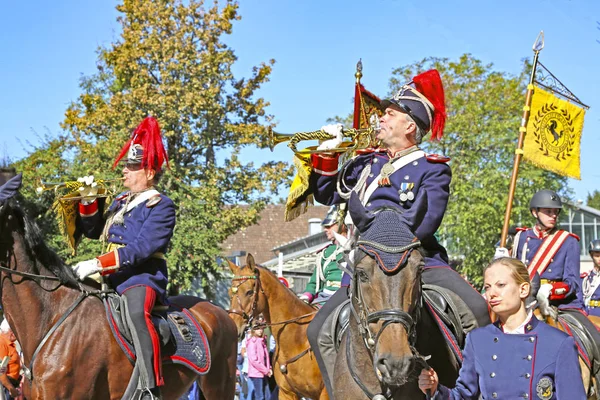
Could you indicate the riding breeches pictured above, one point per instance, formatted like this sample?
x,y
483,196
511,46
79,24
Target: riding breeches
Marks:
x,y
321,339
140,301
449,279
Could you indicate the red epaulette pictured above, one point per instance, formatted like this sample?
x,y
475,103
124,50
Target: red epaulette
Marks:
x,y
584,275
575,236
121,197
437,158
521,228
154,200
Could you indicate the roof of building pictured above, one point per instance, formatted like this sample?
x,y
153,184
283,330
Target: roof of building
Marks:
x,y
271,232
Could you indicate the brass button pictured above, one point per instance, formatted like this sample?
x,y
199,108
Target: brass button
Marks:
x,y
532,339
493,375
527,375
529,357
494,357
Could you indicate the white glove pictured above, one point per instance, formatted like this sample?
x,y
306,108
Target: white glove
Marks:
x,y
86,268
543,299
335,131
89,191
501,252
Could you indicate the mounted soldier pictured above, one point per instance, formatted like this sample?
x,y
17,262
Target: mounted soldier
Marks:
x,y
399,175
591,282
327,276
554,254
137,228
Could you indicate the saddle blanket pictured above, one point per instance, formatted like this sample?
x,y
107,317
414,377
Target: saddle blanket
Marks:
x,y
183,341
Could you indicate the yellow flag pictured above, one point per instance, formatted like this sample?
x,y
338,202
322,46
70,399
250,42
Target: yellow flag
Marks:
x,y
553,135
300,196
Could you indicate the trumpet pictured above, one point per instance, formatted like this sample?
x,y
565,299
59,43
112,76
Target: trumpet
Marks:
x,y
360,139
74,186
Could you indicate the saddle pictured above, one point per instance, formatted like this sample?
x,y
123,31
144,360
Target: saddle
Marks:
x,y
183,341
586,346
444,306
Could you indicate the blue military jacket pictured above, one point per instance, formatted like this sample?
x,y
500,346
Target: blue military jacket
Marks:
x,y
428,174
563,267
591,291
142,239
540,364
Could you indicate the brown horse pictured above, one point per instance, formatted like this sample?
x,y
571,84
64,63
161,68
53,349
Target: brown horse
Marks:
x,y
81,359
254,291
380,354
587,377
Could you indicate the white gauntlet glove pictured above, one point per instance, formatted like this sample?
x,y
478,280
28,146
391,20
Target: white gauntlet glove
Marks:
x,y
89,191
335,130
501,252
83,269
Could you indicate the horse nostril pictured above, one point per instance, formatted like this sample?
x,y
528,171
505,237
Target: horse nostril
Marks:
x,y
383,369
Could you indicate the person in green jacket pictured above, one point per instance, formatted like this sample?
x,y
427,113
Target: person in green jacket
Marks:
x,y
327,276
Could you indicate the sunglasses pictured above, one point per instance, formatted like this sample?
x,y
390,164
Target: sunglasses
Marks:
x,y
133,166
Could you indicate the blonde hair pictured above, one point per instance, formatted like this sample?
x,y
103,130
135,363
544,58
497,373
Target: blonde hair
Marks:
x,y
518,270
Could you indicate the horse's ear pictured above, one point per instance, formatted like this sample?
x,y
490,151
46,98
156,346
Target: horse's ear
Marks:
x,y
233,266
11,187
361,218
250,263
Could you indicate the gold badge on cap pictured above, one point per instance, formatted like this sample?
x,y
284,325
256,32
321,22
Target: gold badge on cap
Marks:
x,y
544,388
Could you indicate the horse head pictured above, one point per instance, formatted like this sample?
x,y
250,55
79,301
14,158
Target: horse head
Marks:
x,y
22,247
246,294
386,290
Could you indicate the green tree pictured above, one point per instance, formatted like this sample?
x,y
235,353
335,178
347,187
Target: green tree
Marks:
x,y
593,200
484,112
171,62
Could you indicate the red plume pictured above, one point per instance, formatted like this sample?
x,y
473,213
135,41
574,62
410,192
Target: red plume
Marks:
x,y
147,134
429,84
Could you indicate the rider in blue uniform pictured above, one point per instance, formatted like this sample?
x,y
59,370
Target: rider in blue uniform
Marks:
x,y
554,254
591,282
518,357
137,228
401,175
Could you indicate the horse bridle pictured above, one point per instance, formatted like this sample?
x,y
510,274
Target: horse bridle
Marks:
x,y
389,316
235,289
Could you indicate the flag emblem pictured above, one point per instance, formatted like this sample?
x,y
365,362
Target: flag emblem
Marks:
x,y
553,134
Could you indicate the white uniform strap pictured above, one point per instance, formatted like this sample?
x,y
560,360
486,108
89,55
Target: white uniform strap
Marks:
x,y
399,163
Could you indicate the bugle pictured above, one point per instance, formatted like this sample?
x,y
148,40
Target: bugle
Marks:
x,y
74,186
360,139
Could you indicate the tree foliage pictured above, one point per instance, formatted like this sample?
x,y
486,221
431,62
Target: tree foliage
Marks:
x,y
484,113
593,200
171,61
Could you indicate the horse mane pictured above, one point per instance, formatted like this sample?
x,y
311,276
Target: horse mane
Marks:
x,y
38,250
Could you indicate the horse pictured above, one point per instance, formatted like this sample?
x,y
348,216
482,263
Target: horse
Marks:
x,y
254,291
380,356
64,334
587,377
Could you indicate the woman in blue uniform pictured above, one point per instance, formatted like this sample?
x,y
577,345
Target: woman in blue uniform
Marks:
x,y
137,229
591,282
518,357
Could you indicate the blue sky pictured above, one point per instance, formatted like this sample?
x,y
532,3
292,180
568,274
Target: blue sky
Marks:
x,y
47,46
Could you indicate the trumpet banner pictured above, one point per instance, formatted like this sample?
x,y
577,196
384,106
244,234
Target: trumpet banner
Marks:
x,y
553,136
366,106
300,196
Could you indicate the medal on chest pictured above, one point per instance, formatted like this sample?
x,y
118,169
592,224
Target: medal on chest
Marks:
x,y
406,191
387,170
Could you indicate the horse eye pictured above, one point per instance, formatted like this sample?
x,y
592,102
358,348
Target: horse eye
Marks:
x,y
249,292
362,275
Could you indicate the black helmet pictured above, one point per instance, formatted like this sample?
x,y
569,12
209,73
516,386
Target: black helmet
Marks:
x,y
545,199
594,245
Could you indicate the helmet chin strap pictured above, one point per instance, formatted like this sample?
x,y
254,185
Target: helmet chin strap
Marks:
x,y
540,224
